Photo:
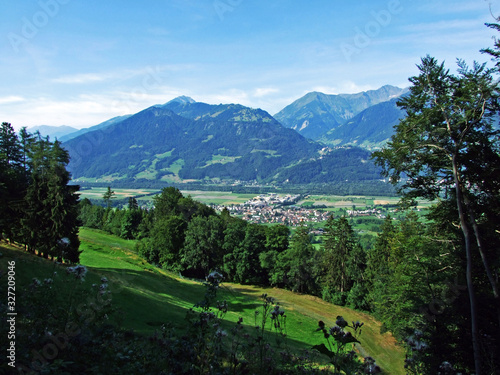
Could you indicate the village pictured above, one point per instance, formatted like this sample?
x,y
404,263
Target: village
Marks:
x,y
275,209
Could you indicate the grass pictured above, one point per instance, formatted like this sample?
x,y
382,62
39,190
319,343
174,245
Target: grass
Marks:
x,y
221,159
147,297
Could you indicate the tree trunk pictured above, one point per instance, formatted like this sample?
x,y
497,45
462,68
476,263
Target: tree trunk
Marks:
x,y
487,268
468,253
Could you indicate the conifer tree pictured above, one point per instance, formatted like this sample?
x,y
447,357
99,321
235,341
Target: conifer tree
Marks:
x,y
108,196
446,144
44,206
343,259
377,267
300,261
11,181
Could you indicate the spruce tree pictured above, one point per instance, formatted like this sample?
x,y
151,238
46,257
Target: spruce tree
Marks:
x,y
11,181
446,145
343,260
49,223
300,262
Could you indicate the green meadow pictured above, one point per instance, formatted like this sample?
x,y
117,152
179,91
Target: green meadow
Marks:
x,y
147,297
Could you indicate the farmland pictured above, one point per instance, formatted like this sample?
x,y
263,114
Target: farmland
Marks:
x,y
329,202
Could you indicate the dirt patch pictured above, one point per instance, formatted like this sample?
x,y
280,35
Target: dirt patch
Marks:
x,y
343,204
381,202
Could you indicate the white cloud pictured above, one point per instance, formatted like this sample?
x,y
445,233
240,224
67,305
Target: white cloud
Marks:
x,y
265,91
11,99
86,109
82,78
345,87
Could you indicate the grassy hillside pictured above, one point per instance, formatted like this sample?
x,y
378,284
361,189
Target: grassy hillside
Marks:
x,y
147,297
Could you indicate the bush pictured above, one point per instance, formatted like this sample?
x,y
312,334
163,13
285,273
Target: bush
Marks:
x,y
356,298
337,298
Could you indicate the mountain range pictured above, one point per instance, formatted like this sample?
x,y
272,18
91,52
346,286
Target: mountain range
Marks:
x,y
369,129
316,113
102,125
52,131
209,142
184,141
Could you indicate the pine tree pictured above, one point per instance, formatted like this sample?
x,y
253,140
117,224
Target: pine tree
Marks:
x,y
50,211
300,262
108,196
446,143
377,268
11,181
63,202
343,259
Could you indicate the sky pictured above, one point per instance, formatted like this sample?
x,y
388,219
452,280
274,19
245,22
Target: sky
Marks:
x,y
79,63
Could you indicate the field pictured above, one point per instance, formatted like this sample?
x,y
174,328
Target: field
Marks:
x,y
228,198
353,201
147,297
146,195
97,193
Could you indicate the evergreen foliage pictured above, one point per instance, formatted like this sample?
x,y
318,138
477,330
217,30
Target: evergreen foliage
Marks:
x,y
232,143
446,148
38,207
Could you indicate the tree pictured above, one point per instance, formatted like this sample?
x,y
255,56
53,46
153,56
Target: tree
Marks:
x,y
49,222
202,251
447,126
108,196
62,199
299,263
277,242
130,223
343,259
234,234
12,184
166,241
277,238
167,202
248,267
132,204
377,266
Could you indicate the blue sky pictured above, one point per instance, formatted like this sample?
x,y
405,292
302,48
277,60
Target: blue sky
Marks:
x,y
78,63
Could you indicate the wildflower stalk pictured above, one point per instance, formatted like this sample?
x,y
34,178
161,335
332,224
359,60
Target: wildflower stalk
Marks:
x,y
340,348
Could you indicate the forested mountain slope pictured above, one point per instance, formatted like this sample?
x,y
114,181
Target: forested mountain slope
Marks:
x,y
208,142
316,113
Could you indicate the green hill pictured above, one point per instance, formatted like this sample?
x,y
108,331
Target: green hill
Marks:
x,y
185,141
147,297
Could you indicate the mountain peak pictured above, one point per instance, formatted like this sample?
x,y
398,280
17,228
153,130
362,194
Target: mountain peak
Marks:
x,y
317,113
182,99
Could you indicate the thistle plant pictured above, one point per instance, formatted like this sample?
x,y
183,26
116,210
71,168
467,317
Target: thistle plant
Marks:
x,y
205,329
340,348
417,347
